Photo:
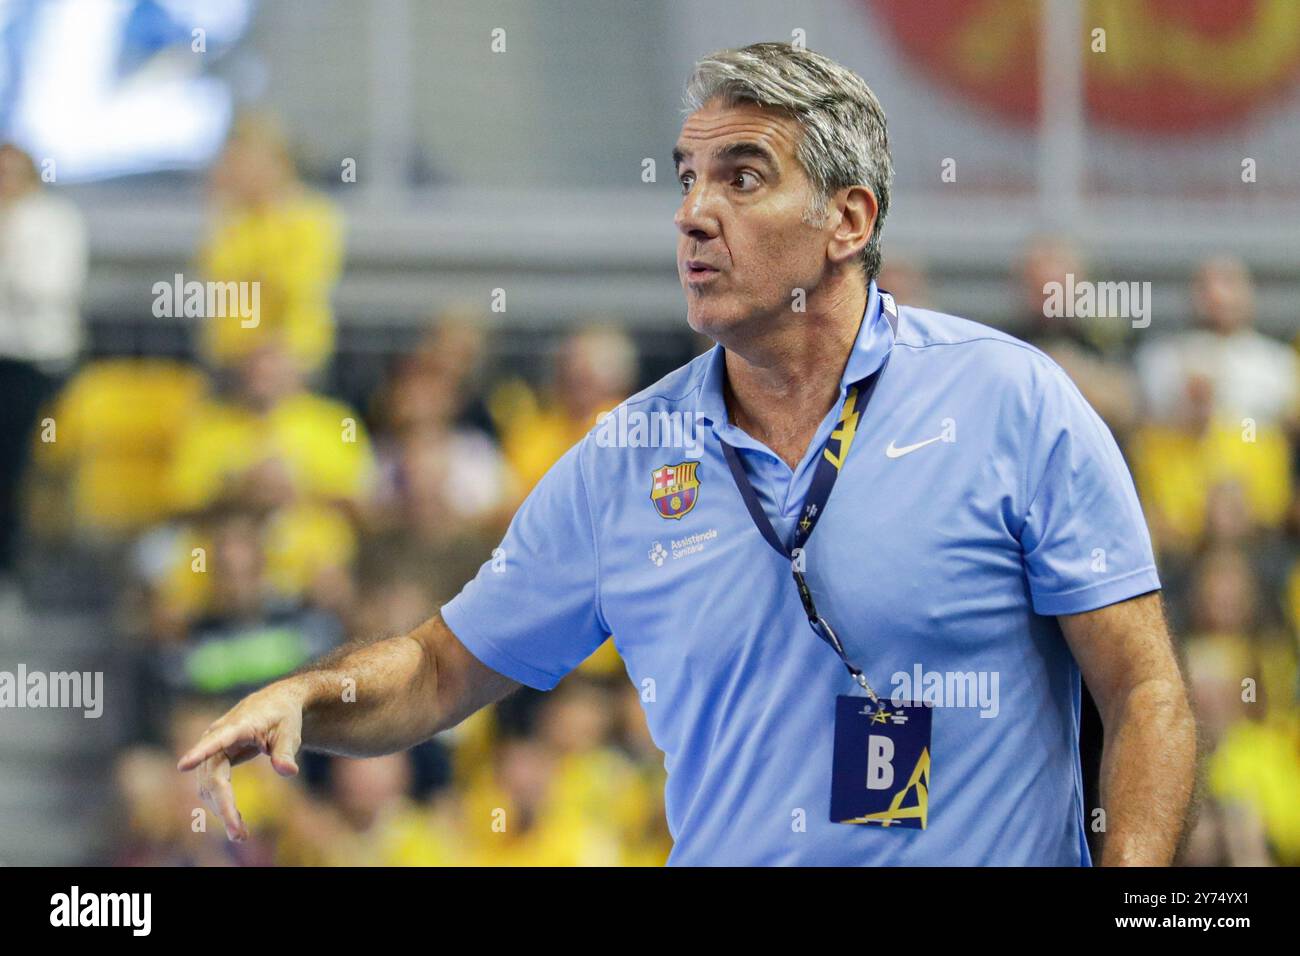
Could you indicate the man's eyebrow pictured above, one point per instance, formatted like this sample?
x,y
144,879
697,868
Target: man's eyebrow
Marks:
x,y
747,149
744,149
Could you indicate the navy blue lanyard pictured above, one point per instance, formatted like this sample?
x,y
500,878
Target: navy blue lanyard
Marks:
x,y
834,451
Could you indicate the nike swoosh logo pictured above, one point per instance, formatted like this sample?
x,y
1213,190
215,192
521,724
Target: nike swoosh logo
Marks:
x,y
892,452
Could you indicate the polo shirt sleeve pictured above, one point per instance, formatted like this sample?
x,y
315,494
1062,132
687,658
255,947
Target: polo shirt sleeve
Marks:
x,y
1084,537
532,611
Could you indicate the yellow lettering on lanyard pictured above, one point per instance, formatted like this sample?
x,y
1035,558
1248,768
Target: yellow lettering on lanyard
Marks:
x,y
844,432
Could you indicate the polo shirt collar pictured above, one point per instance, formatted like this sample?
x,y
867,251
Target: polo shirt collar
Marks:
x,y
873,343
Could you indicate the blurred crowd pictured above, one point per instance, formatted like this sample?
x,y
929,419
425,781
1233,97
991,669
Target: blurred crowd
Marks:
x,y
1208,418
258,519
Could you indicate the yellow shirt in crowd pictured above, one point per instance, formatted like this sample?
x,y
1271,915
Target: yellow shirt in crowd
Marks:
x,y
1174,472
327,453
322,442
295,250
1258,764
533,435
110,436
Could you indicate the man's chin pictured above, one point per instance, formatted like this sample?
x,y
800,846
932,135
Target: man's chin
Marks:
x,y
710,318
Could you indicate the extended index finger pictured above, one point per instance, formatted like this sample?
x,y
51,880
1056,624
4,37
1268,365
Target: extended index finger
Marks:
x,y
215,741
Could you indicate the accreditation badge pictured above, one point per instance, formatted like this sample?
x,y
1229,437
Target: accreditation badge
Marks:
x,y
881,770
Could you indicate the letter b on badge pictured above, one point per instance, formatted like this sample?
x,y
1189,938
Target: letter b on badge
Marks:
x,y
881,769
880,762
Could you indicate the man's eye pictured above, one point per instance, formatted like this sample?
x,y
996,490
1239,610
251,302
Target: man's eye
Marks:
x,y
685,181
746,179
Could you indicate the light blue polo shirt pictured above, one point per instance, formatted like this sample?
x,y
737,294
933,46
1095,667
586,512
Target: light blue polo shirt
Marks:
x,y
981,496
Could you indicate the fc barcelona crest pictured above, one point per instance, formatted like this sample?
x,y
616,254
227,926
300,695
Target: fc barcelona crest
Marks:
x,y
675,489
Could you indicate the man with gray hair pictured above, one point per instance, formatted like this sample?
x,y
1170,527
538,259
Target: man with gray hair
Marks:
x,y
983,528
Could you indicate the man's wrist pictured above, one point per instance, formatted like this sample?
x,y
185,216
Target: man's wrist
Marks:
x,y
304,689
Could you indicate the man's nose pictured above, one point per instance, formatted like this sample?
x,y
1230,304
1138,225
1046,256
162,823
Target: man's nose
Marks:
x,y
696,217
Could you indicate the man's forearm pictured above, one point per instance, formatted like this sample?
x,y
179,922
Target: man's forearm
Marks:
x,y
362,701
1147,775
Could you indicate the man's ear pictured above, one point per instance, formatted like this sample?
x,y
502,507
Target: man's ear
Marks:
x,y
858,209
